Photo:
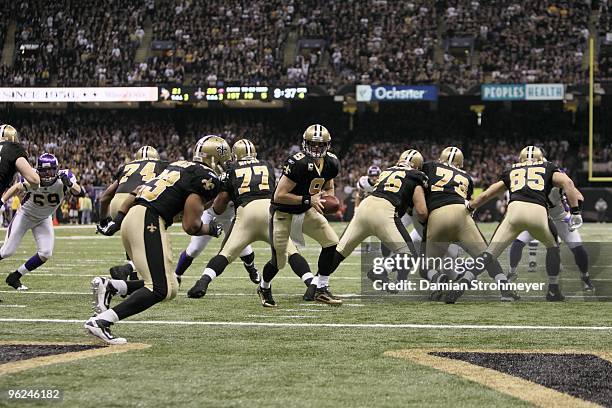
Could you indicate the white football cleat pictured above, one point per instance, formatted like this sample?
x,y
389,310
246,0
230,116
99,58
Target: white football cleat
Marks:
x,y
102,332
23,288
102,292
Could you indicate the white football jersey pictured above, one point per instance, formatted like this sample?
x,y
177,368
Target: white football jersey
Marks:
x,y
559,209
42,203
364,186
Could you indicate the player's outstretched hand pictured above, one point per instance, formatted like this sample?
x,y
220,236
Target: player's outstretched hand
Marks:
x,y
66,180
214,228
109,229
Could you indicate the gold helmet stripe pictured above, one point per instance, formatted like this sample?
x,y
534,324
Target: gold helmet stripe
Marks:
x,y
452,154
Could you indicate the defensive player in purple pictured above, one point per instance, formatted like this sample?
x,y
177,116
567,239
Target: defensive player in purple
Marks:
x,y
36,213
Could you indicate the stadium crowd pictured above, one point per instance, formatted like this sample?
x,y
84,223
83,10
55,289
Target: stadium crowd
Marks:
x,y
94,144
89,43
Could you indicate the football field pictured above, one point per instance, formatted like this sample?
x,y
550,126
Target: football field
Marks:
x,y
226,350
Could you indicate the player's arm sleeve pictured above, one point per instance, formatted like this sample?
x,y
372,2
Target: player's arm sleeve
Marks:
x,y
271,176
294,170
470,191
337,166
119,173
505,177
204,183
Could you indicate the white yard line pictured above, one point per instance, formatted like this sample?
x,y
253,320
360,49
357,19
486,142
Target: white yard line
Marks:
x,y
323,325
17,306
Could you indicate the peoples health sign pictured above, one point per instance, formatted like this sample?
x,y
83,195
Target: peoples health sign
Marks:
x,y
400,93
523,92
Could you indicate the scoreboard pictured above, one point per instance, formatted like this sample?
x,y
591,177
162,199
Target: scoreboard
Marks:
x,y
230,93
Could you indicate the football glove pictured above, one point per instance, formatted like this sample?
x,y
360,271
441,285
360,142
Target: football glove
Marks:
x,y
66,180
214,228
105,221
575,222
112,226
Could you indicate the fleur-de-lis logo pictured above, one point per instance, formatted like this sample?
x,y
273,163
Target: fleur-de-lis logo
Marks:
x,y
222,150
152,228
208,184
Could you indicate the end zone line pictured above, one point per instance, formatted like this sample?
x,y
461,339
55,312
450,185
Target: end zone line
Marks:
x,y
323,325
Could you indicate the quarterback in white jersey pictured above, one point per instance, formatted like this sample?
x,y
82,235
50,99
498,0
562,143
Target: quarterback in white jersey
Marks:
x,y
36,213
198,243
559,214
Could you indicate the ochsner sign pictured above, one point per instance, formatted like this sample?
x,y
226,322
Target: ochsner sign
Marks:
x,y
523,92
396,93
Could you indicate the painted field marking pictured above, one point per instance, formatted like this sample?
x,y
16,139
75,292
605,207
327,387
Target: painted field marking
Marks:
x,y
322,325
17,306
282,316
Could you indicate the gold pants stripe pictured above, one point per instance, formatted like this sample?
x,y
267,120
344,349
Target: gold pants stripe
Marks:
x,y
375,216
148,245
522,216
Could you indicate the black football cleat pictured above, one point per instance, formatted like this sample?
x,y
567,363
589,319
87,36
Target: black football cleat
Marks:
x,y
199,289
121,272
324,295
253,273
436,295
309,295
265,295
383,277
509,296
588,285
453,295
14,281
101,329
553,294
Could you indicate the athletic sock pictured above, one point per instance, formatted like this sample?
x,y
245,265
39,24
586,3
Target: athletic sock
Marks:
x,y
132,266
31,264
300,267
120,286
323,281
216,266
533,251
553,263
184,262
326,261
248,259
139,301
581,257
516,252
108,316
307,278
269,272
208,275
134,285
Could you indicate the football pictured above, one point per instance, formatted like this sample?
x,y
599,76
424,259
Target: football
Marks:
x,y
331,205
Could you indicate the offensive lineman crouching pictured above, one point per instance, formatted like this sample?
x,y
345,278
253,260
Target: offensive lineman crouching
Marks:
x,y
185,186
248,184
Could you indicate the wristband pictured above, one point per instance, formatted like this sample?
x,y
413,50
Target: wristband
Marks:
x,y
133,193
575,210
306,200
580,205
119,218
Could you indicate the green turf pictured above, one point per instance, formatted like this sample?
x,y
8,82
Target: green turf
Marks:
x,y
220,365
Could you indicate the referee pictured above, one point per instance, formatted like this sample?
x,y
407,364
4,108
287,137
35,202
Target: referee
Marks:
x,y
13,158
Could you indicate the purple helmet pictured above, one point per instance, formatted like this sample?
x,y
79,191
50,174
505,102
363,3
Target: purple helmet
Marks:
x,y
374,171
47,169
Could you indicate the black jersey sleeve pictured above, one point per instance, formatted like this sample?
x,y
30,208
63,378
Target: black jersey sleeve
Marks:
x,y
119,173
225,181
470,190
334,165
204,182
505,177
295,169
19,152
